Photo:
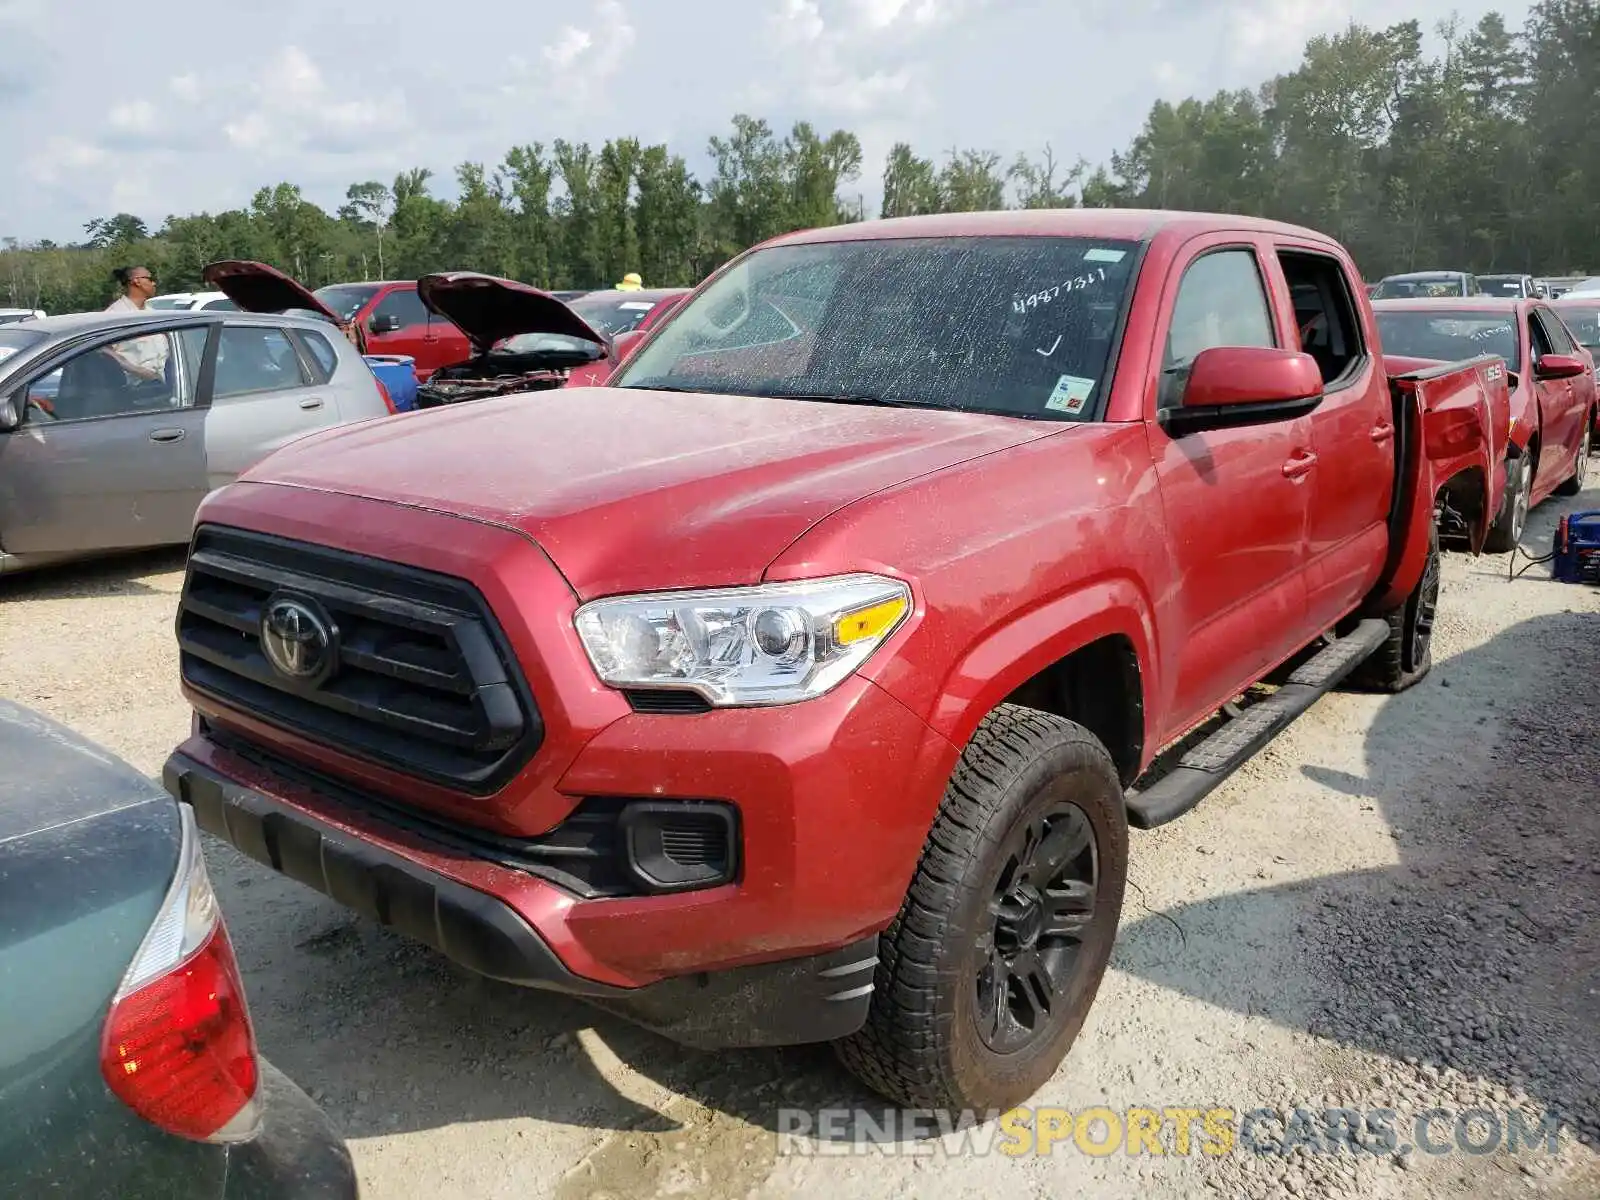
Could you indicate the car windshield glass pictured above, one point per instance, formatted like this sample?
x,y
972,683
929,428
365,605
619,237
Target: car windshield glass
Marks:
x,y
612,314
1501,285
1404,289
345,300
1022,326
169,302
1450,336
14,341
1584,321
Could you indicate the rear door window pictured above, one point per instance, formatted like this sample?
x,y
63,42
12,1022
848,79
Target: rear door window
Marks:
x,y
255,358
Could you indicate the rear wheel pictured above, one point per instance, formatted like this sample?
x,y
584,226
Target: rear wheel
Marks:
x,y
987,973
1573,484
1506,532
1407,656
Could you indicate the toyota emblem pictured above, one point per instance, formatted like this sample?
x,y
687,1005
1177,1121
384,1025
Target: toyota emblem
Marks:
x,y
299,639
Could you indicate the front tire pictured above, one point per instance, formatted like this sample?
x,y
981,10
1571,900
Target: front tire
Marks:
x,y
1573,484
986,975
1505,534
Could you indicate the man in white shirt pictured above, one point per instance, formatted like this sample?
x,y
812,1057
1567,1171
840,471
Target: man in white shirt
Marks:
x,y
145,357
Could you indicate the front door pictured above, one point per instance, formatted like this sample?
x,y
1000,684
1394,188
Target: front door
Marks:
x,y
110,454
1236,500
411,334
1558,416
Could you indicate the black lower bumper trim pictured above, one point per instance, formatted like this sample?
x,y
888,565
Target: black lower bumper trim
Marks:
x,y
810,999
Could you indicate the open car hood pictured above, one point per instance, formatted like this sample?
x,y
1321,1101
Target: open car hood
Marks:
x,y
256,287
489,309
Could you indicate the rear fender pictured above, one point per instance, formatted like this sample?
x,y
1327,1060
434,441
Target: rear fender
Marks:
x,y
1009,656
1453,421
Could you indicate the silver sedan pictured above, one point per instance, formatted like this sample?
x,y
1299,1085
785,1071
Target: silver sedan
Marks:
x,y
115,425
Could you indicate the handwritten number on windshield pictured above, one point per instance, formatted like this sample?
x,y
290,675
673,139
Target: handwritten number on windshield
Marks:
x,y
1076,284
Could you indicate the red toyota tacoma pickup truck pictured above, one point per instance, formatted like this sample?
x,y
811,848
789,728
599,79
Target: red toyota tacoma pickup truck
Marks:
x,y
803,683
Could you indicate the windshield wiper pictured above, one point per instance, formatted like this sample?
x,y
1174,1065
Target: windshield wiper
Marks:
x,y
849,398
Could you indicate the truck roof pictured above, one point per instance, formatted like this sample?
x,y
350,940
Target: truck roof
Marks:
x,y
1127,224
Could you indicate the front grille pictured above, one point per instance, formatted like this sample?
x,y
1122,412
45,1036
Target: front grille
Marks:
x,y
423,683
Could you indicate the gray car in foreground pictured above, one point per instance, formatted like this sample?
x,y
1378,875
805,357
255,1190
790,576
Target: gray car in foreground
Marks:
x,y
115,425
128,1060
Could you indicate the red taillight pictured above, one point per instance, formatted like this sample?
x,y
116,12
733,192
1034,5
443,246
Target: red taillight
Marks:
x,y
179,1048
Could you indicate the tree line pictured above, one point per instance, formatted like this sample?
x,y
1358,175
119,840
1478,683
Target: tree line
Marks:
x,y
1479,156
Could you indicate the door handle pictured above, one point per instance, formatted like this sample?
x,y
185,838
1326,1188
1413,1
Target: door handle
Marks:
x,y
168,435
311,402
1299,465
1382,431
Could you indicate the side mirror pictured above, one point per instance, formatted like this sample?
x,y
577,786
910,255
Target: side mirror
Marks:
x,y
10,418
625,344
1559,366
1230,386
384,324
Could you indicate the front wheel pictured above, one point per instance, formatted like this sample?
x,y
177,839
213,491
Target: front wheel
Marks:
x,y
1506,532
987,973
1573,484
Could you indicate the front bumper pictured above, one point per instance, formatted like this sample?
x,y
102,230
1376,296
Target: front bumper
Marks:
x,y
794,1000
299,1155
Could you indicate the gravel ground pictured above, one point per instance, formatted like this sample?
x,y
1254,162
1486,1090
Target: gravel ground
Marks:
x,y
1396,906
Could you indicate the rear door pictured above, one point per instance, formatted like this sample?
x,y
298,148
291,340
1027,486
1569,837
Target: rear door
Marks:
x,y
1353,432
263,395
110,453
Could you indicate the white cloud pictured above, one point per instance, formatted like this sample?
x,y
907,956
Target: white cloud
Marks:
x,y
134,116
63,157
576,66
295,108
569,46
185,88
798,21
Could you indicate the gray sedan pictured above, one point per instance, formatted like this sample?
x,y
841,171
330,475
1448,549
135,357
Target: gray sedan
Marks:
x,y
115,425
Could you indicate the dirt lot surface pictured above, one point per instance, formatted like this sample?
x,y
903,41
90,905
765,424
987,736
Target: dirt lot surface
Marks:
x,y
1397,906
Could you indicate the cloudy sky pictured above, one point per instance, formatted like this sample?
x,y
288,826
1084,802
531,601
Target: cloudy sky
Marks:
x,y
174,106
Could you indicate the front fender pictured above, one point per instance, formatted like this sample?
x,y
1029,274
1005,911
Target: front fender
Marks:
x,y
1009,655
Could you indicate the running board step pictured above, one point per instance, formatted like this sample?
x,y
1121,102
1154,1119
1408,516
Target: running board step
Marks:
x,y
1203,768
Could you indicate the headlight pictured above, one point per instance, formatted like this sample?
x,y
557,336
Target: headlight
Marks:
x,y
769,644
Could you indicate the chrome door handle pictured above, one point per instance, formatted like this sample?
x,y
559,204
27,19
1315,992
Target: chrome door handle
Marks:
x,y
168,435
311,403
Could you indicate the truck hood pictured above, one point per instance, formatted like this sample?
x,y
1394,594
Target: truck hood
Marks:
x,y
489,309
632,490
256,287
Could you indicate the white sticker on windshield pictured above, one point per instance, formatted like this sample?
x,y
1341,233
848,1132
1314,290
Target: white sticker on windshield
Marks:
x,y
1099,254
1071,393
637,305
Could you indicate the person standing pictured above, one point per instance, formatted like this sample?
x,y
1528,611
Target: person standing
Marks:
x,y
144,358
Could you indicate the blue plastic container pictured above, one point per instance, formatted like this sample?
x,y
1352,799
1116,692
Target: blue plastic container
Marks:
x,y
397,373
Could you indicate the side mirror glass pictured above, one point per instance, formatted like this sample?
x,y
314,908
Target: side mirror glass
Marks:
x,y
384,324
10,417
1559,366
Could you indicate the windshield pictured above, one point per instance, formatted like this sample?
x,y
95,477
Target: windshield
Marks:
x,y
1450,336
612,314
1583,320
1502,285
550,343
345,300
1405,289
14,341
1022,326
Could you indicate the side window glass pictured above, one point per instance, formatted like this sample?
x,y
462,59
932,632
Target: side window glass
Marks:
x,y
406,305
192,342
1538,340
1560,342
121,378
323,354
1221,302
255,358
